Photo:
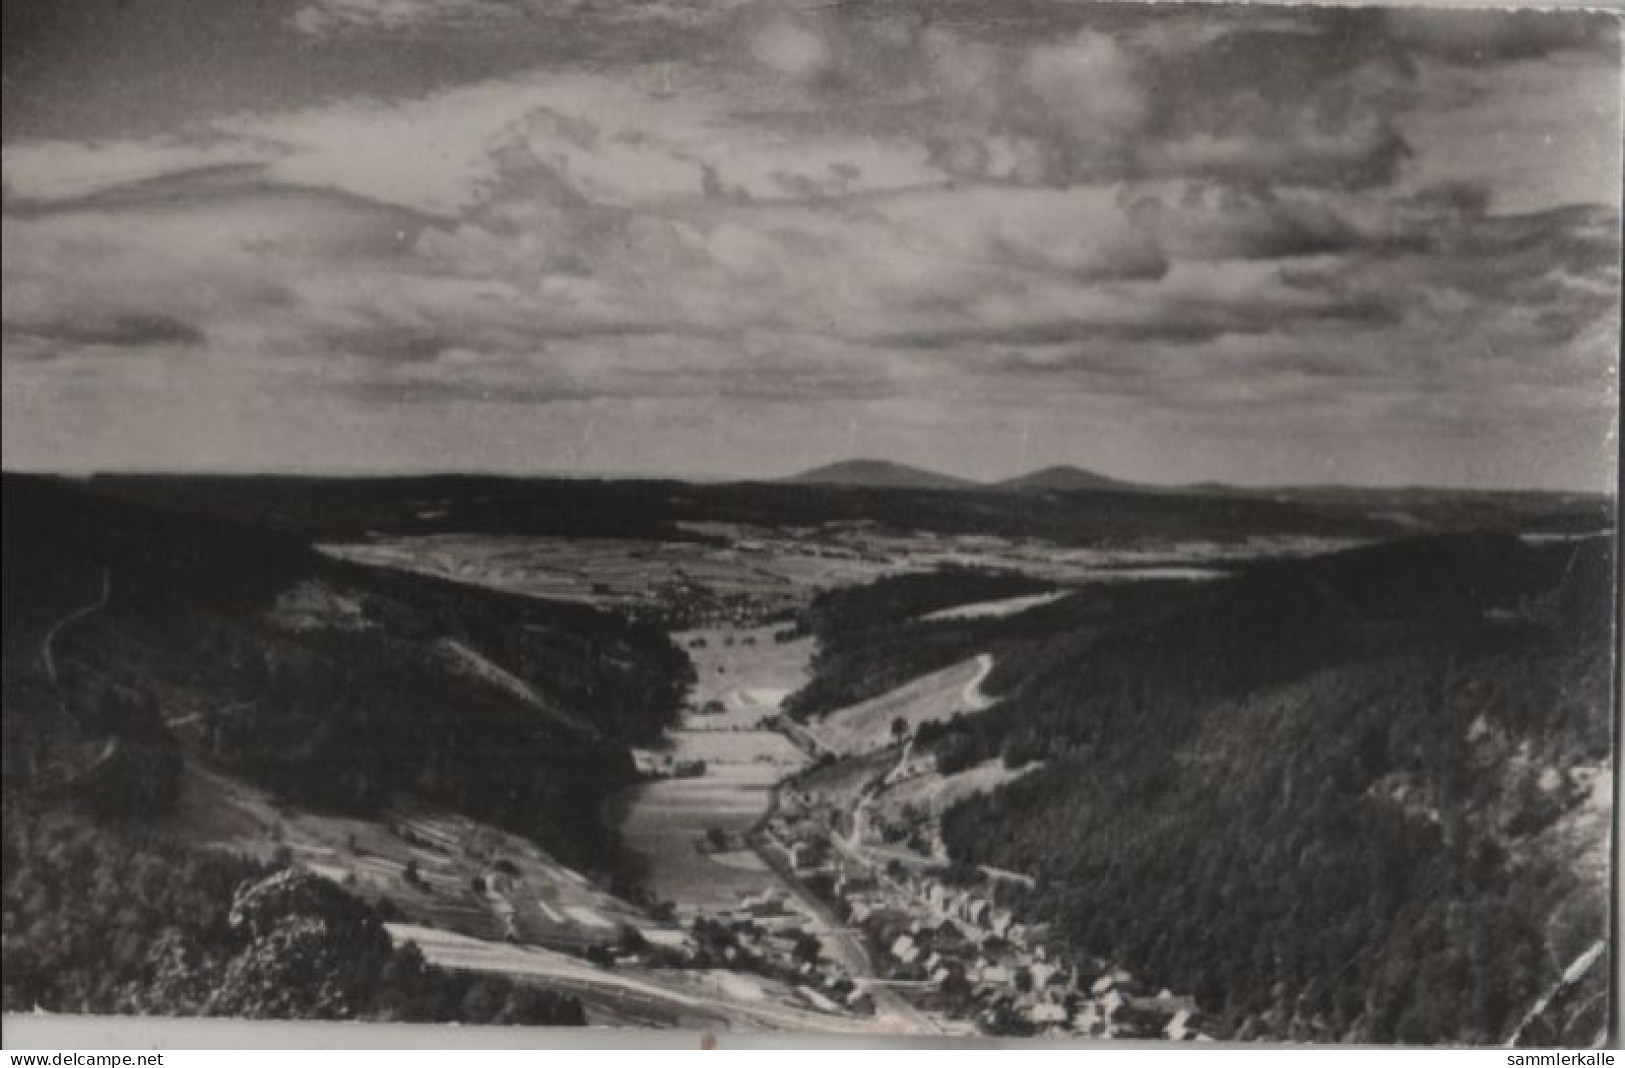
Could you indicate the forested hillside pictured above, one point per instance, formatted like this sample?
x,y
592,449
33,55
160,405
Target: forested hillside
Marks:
x,y
1359,796
337,509
332,684
139,638
872,637
1363,796
122,923
875,637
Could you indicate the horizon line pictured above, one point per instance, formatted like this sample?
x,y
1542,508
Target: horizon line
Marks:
x,y
339,474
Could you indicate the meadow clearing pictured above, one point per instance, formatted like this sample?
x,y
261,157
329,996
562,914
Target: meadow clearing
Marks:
x,y
432,865
868,725
743,673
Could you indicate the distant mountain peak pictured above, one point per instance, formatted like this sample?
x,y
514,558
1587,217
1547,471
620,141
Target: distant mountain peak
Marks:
x,y
1061,478
880,474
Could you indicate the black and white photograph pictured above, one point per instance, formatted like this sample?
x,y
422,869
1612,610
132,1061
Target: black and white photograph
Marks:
x,y
875,520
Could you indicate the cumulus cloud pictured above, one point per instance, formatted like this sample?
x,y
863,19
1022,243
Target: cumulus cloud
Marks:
x,y
41,172
791,48
221,257
406,19
1089,85
1207,221
857,214
325,17
1520,285
1480,37
1273,98
1503,126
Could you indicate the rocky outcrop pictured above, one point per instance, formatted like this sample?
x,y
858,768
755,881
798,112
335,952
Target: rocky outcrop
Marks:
x,y
306,946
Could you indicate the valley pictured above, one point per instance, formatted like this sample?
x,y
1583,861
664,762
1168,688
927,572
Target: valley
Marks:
x,y
742,675
834,770
938,524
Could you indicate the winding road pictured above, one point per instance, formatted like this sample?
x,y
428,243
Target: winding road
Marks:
x,y
47,653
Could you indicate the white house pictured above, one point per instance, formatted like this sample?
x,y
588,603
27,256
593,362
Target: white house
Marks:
x,y
1181,1027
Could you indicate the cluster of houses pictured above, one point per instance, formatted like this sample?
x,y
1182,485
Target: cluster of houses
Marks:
x,y
656,765
977,959
958,951
764,933
685,603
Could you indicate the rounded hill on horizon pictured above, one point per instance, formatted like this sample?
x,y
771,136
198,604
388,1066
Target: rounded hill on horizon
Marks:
x,y
1063,478
879,474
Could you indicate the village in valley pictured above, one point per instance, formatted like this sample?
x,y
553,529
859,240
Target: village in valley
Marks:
x,y
791,869
856,922
857,907
793,844
806,855
942,937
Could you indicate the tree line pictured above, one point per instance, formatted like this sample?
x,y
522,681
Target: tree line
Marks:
x,y
116,921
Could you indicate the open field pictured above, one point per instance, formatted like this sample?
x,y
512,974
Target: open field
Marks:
x,y
742,672
1007,606
759,579
664,819
745,673
526,894
686,997
735,574
929,698
933,793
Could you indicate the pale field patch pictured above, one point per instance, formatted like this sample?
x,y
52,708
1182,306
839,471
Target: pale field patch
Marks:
x,y
740,860
583,914
535,898
745,669
734,748
609,571
664,819
933,794
999,609
930,698
704,997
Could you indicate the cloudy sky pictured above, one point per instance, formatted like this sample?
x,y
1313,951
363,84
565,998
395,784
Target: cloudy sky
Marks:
x,y
707,238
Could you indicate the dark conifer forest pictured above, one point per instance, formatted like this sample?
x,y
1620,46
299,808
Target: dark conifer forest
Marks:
x,y
1355,797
